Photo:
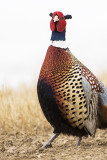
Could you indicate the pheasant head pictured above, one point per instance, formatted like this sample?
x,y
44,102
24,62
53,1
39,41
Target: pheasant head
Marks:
x,y
58,25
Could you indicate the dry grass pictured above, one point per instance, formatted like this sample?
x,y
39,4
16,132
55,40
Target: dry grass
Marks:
x,y
20,110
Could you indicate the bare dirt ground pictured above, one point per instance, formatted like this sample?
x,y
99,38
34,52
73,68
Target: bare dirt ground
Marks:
x,y
21,146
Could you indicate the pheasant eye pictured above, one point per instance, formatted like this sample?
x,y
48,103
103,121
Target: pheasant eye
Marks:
x,y
63,18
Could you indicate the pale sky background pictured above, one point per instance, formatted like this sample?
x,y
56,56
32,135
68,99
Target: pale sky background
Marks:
x,y
25,36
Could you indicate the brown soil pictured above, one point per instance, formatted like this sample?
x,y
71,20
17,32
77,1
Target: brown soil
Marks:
x,y
23,146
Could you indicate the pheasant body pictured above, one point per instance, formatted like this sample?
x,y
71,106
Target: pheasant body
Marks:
x,y
59,75
62,75
71,97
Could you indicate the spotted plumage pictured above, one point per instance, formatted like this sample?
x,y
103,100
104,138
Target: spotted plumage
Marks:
x,y
91,78
68,92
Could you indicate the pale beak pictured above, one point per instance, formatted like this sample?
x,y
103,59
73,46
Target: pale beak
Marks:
x,y
56,19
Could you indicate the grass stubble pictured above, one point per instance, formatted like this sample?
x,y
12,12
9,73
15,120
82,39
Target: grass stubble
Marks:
x,y
20,110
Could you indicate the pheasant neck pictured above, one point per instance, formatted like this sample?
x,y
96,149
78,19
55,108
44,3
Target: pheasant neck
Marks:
x,y
58,36
58,39
60,44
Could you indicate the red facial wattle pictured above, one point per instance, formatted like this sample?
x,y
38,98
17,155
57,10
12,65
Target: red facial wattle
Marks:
x,y
61,24
52,25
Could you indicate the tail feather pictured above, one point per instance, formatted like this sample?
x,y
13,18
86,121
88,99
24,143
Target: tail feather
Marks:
x,y
102,109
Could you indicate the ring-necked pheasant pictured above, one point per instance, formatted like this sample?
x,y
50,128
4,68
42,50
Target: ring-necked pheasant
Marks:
x,y
73,100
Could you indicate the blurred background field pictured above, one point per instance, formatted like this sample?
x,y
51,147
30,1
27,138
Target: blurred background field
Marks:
x,y
20,110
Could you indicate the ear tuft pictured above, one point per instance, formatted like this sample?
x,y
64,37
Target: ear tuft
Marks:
x,y
50,14
68,16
